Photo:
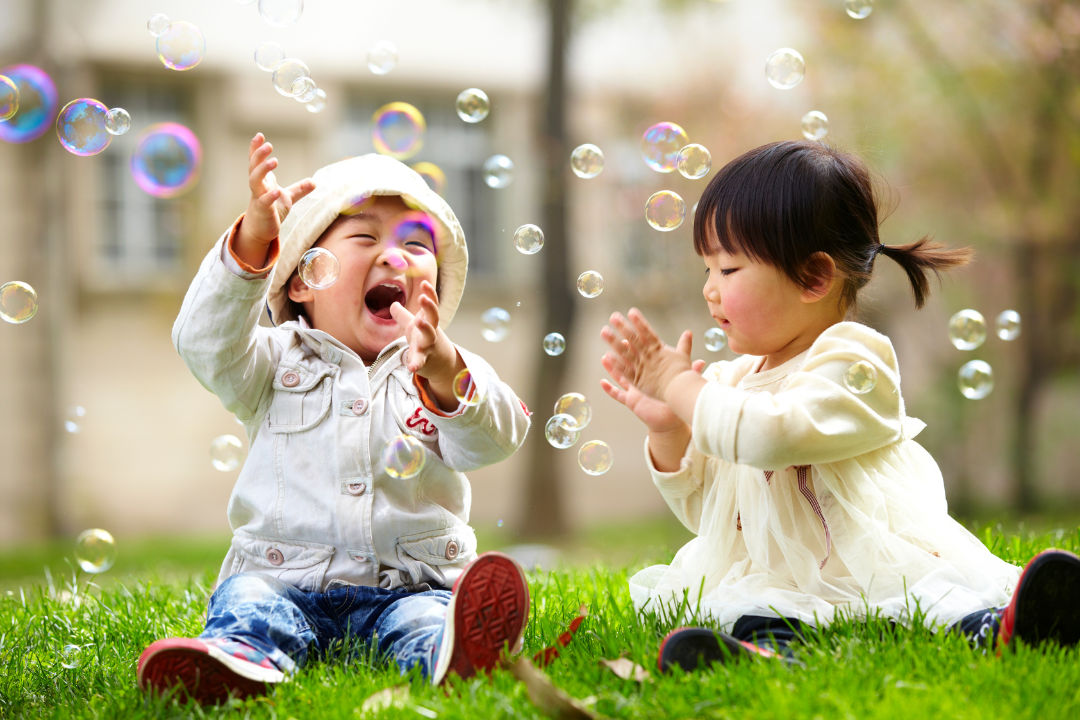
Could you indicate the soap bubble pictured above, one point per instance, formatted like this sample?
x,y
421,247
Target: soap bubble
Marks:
x,y
74,416
860,377
562,431
1008,325
528,239
318,103
587,161
498,171
226,453
665,210
117,121
69,656
473,105
18,302
37,104
95,550
404,457
694,161
269,55
158,24
181,47
463,382
281,13
500,523
595,457
590,283
785,69
660,146
382,57
859,9
495,324
398,130
715,339
81,127
9,98
967,329
577,407
976,379
815,125
167,160
432,174
303,89
319,268
286,73
554,344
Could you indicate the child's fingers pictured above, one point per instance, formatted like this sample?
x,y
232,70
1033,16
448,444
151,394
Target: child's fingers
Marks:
x,y
430,305
429,289
686,341
617,394
643,327
628,331
616,373
257,178
399,313
267,200
259,152
698,366
300,189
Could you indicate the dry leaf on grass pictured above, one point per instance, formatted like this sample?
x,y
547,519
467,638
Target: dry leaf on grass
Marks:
x,y
627,669
546,696
385,699
545,656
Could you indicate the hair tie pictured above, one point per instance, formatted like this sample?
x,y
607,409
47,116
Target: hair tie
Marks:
x,y
879,249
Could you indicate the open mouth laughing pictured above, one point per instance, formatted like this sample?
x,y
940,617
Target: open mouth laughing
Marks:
x,y
379,299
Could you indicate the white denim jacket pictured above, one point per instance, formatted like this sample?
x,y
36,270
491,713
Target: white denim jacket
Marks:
x,y
313,504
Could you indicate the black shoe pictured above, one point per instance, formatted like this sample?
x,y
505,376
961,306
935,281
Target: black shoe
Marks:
x,y
1046,604
688,647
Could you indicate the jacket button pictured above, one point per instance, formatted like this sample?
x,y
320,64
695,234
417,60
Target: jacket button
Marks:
x,y
274,556
360,407
451,550
357,488
290,379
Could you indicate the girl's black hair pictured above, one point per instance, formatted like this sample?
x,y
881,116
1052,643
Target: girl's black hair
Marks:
x,y
781,203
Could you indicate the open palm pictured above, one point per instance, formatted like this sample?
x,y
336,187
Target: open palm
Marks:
x,y
656,414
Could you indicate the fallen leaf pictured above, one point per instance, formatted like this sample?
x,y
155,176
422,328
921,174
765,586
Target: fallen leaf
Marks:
x,y
545,656
544,694
627,669
385,699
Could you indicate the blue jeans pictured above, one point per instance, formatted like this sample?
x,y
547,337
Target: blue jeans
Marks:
x,y
285,623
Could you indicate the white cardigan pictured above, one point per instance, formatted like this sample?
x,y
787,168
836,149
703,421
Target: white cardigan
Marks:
x,y
863,530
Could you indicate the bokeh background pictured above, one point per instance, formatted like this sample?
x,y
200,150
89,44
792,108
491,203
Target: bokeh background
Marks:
x,y
968,111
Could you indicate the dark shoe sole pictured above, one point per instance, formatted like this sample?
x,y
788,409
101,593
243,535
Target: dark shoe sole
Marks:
x,y
689,648
1048,603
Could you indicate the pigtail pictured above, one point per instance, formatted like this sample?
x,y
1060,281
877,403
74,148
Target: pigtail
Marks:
x,y
922,256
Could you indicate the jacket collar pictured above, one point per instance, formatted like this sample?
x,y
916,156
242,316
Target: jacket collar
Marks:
x,y
330,349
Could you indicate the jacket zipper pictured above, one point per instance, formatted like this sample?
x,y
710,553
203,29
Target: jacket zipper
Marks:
x,y
372,366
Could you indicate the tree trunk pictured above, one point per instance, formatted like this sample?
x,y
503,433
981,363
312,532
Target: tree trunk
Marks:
x,y
543,513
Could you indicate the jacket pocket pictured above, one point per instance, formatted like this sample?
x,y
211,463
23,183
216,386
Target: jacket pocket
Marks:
x,y
300,564
302,398
440,547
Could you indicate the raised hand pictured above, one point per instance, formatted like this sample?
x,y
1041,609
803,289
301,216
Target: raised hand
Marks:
x,y
656,415
640,357
431,354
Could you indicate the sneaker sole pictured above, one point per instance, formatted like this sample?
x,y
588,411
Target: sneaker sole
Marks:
x,y
1048,607
198,669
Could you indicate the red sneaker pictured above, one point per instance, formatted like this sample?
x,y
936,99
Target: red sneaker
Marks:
x,y
1046,603
208,670
485,618
687,647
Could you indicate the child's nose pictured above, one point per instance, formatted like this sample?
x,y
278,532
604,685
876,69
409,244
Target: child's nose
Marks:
x,y
395,258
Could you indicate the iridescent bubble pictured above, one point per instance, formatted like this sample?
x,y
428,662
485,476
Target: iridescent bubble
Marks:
x,y
495,324
590,283
815,125
269,55
319,268
694,161
859,9
665,210
528,239
18,302
287,72
433,176
498,171
167,160
464,389
967,329
577,407
226,453
587,161
37,104
860,377
554,344
500,523
715,339
976,379
660,146
382,57
562,431
398,130
81,127
595,457
281,13
69,656
404,457
95,550
73,417
785,68
181,47
303,89
117,121
158,24
9,98
1008,325
473,105
318,103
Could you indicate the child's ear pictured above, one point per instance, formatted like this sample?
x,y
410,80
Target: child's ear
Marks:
x,y
820,276
298,290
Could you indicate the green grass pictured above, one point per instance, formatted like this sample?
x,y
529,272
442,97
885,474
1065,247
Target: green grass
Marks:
x,y
856,670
